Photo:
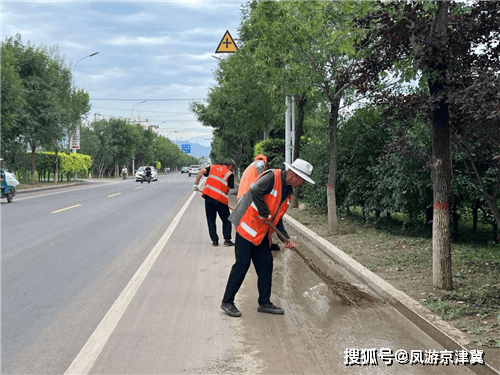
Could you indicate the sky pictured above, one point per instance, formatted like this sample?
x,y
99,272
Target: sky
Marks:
x,y
148,50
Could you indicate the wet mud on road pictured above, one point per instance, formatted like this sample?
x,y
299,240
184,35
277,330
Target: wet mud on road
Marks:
x,y
317,322
174,325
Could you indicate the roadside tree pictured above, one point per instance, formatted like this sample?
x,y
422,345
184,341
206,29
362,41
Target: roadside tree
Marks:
x,y
450,49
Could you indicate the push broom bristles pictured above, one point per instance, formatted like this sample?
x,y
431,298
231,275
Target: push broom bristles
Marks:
x,y
349,294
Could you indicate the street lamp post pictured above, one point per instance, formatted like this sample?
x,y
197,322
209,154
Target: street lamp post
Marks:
x,y
132,111
92,54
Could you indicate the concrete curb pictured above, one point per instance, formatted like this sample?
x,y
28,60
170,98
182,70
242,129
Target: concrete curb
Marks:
x,y
30,190
426,320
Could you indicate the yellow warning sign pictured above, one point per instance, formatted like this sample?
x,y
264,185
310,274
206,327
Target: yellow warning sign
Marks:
x,y
227,44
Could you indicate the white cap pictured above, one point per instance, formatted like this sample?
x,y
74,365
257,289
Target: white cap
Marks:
x,y
302,168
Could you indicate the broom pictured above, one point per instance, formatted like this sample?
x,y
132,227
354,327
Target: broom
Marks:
x,y
349,294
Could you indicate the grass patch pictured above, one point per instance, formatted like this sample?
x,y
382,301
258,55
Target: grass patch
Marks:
x,y
445,310
370,266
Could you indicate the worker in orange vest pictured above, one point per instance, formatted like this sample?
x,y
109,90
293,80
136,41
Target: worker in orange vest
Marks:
x,y
220,179
251,173
266,201
248,178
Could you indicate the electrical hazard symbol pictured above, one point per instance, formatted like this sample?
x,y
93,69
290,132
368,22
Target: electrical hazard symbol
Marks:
x,y
227,44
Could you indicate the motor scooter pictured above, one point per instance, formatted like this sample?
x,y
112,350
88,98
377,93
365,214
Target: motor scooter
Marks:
x,y
8,184
124,175
146,177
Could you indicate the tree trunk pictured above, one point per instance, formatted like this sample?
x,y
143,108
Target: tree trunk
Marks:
x,y
456,218
301,103
377,216
333,224
490,198
441,153
495,232
33,148
428,215
57,167
475,208
496,216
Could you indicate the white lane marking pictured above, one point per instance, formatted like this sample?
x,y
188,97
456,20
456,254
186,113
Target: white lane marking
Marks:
x,y
84,361
139,187
113,195
66,208
65,191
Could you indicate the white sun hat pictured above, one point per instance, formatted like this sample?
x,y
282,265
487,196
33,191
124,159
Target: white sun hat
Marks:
x,y
302,168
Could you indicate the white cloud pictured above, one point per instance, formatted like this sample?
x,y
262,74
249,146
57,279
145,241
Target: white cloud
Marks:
x,y
68,44
208,6
137,40
137,18
148,49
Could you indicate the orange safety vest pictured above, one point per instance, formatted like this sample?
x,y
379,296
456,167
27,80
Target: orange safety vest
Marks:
x,y
216,185
250,175
251,227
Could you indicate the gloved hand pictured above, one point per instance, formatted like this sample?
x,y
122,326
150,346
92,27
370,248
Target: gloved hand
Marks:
x,y
196,187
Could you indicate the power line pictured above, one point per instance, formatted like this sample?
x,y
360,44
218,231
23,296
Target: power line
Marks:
x,y
149,100
128,110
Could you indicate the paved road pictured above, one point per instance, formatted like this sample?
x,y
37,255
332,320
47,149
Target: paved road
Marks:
x,y
62,271
62,305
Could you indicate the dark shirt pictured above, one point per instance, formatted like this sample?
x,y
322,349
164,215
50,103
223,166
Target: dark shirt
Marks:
x,y
264,185
230,180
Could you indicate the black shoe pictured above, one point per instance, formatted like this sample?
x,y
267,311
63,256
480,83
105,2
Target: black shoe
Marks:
x,y
228,243
270,308
215,243
274,246
230,309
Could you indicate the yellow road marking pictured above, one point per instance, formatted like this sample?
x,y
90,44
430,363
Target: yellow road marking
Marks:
x,y
113,195
64,209
138,187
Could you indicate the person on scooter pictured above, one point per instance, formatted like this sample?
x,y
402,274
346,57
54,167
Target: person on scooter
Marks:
x,y
148,171
124,171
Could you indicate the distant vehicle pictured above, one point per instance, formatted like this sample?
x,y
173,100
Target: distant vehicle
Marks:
x,y
194,169
185,170
8,185
142,170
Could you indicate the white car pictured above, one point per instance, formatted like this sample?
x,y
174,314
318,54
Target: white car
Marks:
x,y
140,172
193,170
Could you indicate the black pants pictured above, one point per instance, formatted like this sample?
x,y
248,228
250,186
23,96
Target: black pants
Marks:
x,y
262,260
212,207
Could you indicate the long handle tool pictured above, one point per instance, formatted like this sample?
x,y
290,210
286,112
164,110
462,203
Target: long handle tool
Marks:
x,y
349,294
